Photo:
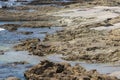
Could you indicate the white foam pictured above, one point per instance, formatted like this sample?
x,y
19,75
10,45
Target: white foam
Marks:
x,y
1,29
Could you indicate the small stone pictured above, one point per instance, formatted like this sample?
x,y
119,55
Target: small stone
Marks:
x,y
1,52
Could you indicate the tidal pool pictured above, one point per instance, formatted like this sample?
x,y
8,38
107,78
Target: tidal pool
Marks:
x,y
10,62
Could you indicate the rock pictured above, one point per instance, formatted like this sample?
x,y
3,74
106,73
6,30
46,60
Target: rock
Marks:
x,y
117,74
21,62
12,78
1,52
38,2
84,78
10,27
39,24
28,44
36,47
47,70
26,33
115,35
92,48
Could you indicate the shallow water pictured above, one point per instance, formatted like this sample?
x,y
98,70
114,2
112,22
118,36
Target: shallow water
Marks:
x,y
13,37
101,68
18,56
11,3
8,68
8,39
29,10
9,22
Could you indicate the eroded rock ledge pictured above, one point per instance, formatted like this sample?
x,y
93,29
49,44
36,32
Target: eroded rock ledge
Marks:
x,y
63,71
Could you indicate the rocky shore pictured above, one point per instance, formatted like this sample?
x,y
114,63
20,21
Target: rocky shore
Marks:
x,y
91,33
63,71
79,40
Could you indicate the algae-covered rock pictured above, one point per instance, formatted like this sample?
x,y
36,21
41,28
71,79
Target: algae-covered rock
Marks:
x,y
47,70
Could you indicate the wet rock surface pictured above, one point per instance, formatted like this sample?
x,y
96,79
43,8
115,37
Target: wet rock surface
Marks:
x,y
36,47
82,2
1,52
89,45
26,33
34,13
54,2
41,24
12,78
10,27
63,71
26,44
80,42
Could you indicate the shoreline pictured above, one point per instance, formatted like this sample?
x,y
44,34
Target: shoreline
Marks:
x,y
64,41
82,38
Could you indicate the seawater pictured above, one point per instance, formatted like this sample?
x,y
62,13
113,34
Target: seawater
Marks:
x,y
8,40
